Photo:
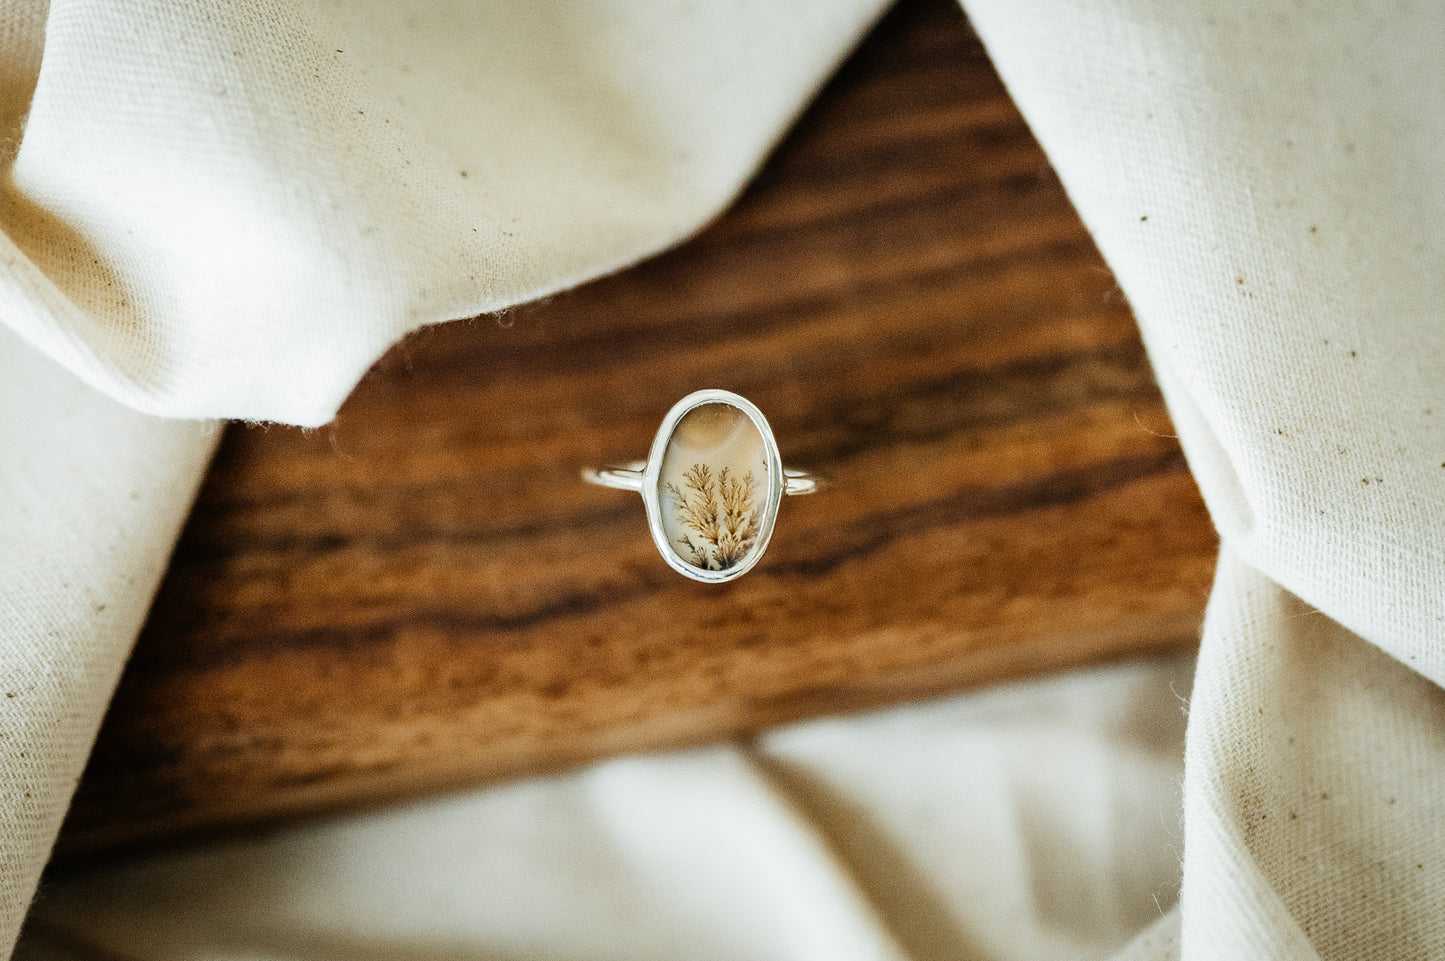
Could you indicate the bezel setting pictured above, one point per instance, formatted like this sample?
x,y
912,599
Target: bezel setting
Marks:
x,y
652,485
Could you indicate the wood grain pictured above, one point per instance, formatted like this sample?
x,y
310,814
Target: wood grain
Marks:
x,y
424,595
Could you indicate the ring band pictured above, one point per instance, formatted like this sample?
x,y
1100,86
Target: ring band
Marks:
x,y
628,477
711,485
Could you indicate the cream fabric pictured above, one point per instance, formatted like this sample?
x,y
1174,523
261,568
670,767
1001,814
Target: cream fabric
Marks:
x,y
1024,824
1288,158
93,497
232,208
229,209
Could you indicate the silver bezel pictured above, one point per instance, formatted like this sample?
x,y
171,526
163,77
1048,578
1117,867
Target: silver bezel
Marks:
x,y
652,477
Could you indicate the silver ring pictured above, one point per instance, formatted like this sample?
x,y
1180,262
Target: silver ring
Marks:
x,y
711,485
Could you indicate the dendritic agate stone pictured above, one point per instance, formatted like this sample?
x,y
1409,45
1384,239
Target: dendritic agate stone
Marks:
x,y
713,487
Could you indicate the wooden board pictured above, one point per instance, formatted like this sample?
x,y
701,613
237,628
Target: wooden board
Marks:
x,y
424,595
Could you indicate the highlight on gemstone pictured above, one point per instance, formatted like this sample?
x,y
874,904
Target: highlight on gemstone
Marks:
x,y
713,487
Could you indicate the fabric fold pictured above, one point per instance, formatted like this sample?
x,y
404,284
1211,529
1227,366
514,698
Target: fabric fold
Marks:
x,y
220,210
1313,786
890,837
1263,178
95,495
231,211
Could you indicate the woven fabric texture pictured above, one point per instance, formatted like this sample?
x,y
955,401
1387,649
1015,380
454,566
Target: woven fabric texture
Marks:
x,y
1265,180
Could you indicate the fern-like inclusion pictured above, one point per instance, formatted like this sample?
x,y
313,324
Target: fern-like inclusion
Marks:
x,y
719,514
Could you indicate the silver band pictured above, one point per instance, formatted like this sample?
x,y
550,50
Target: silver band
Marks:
x,y
629,477
712,512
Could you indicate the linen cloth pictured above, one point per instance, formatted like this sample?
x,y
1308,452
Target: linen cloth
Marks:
x,y
229,210
1024,823
1265,180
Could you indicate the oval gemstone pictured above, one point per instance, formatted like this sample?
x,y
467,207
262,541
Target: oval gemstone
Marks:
x,y
713,487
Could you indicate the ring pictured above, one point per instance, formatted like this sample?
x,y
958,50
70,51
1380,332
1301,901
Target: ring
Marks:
x,y
711,484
